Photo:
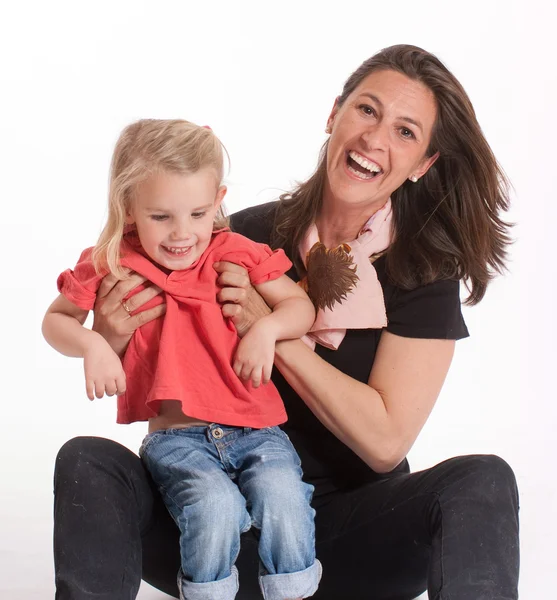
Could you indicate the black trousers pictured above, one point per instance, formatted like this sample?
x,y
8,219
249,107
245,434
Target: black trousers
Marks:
x,y
451,529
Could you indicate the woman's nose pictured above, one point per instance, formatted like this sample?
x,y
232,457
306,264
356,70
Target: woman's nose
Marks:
x,y
376,137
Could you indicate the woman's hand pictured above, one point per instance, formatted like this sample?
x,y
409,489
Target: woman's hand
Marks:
x,y
112,321
240,301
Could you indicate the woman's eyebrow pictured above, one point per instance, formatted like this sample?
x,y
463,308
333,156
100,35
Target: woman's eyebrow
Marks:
x,y
374,98
413,122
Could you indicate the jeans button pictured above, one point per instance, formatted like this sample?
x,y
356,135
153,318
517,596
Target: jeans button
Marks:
x,y
217,433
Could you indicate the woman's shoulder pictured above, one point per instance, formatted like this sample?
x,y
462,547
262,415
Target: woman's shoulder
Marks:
x,y
431,311
255,222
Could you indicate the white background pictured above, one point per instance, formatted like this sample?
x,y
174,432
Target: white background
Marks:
x,y
264,76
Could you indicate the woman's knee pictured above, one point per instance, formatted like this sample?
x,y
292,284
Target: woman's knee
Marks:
x,y
73,455
87,459
95,473
492,471
486,475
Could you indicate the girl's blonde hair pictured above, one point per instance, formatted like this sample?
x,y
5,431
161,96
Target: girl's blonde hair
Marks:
x,y
146,147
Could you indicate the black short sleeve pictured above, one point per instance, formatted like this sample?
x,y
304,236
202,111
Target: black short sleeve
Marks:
x,y
255,222
431,311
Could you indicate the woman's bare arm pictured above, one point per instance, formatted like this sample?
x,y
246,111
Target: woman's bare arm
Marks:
x,y
379,420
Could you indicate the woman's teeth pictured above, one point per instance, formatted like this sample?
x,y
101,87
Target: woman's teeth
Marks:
x,y
371,168
360,174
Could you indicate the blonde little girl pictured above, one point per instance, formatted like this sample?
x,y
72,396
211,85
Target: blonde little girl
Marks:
x,y
214,448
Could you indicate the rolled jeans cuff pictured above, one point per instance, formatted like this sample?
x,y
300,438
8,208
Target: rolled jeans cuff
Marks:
x,y
300,584
222,589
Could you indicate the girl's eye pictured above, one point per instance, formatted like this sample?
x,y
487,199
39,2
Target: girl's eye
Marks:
x,y
367,109
198,215
159,217
407,133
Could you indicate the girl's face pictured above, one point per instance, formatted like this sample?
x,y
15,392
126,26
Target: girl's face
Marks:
x,y
379,138
174,215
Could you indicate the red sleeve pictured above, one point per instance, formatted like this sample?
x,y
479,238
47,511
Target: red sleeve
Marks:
x,y
80,285
262,263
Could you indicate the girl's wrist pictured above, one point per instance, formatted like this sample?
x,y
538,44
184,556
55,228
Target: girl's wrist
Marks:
x,y
269,325
93,341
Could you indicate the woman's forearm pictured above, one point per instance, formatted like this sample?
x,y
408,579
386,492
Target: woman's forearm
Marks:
x,y
352,410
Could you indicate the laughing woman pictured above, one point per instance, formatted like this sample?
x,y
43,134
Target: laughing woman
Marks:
x,y
405,204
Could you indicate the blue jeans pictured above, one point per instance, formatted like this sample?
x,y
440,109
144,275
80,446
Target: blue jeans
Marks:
x,y
217,482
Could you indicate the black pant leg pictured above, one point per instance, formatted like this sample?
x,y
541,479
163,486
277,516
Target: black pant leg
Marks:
x,y
161,550
452,528
103,501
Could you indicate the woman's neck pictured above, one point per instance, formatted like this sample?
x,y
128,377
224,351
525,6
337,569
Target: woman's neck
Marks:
x,y
338,223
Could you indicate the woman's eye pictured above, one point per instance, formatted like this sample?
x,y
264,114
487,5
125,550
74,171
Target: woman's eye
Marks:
x,y
198,215
367,109
407,133
159,217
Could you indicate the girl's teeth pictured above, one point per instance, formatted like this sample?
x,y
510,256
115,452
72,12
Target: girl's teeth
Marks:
x,y
177,250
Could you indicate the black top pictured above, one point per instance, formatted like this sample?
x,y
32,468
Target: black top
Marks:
x,y
431,311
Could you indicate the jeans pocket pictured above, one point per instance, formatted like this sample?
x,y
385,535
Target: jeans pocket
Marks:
x,y
285,441
276,430
147,441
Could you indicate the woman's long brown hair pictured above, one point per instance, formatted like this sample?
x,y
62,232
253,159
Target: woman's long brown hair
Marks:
x,y
446,226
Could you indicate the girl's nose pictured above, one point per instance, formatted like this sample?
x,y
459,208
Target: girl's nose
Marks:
x,y
181,231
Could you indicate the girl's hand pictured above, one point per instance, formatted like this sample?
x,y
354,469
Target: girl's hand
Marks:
x,y
103,370
112,321
255,355
240,301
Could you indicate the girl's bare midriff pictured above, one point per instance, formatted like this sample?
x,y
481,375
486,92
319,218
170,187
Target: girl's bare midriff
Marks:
x,y
172,417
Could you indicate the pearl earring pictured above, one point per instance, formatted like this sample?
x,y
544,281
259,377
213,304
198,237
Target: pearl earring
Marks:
x,y
327,129
413,179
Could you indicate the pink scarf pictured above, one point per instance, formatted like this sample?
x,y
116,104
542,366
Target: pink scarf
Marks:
x,y
342,282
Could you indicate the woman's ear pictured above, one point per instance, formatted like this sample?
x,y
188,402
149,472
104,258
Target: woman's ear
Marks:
x,y
331,119
426,165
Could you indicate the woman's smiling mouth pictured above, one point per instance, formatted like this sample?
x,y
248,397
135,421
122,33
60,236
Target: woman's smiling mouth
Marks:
x,y
361,167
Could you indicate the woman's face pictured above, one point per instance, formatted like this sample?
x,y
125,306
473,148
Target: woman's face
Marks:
x,y
379,138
